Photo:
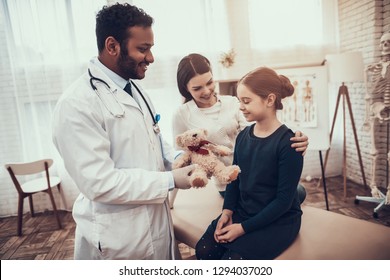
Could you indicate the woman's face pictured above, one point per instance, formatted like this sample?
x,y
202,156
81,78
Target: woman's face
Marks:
x,y
201,87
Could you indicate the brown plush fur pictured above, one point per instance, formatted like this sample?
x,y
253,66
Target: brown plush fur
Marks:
x,y
206,157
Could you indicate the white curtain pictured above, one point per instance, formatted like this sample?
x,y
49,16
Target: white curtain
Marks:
x,y
46,44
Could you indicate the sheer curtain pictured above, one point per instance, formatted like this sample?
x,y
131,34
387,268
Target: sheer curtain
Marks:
x,y
45,46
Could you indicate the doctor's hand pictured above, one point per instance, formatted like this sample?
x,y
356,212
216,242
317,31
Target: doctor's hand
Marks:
x,y
181,176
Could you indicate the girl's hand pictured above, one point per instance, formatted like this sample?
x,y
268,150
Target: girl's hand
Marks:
x,y
230,233
224,220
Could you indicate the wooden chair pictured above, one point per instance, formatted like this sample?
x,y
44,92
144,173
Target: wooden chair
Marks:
x,y
30,187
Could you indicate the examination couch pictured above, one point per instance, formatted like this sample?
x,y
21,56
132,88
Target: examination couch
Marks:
x,y
324,235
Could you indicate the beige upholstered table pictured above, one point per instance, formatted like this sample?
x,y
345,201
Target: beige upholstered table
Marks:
x,y
324,235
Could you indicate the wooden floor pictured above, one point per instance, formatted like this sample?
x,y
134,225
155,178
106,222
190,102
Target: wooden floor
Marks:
x,y
43,240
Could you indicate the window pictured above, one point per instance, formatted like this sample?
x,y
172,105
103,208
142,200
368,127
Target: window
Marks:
x,y
36,126
285,23
283,31
181,27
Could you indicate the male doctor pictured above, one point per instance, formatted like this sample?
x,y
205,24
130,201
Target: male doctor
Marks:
x,y
112,148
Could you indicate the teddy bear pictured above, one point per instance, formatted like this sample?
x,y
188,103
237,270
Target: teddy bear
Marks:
x,y
197,150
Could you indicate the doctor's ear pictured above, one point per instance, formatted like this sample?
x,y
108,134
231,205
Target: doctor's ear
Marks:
x,y
112,46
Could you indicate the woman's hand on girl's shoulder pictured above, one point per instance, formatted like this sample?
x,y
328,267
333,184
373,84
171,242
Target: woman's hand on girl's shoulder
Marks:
x,y
300,142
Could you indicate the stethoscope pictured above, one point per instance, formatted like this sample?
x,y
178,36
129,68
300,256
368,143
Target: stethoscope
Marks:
x,y
93,79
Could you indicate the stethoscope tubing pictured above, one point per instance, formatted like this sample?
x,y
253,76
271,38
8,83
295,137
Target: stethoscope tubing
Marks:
x,y
147,104
93,78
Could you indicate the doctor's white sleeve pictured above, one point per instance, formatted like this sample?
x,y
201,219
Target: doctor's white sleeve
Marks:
x,y
85,146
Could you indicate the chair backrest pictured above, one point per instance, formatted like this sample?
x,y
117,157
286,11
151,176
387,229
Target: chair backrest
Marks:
x,y
28,168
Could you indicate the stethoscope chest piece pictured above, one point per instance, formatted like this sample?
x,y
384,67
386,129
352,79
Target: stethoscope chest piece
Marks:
x,y
156,128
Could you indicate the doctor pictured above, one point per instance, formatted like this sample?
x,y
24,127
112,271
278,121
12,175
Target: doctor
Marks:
x,y
113,150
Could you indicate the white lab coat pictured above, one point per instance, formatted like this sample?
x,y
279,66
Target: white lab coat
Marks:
x,y
117,164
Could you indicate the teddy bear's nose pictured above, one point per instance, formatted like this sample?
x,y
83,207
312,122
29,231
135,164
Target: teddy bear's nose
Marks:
x,y
194,135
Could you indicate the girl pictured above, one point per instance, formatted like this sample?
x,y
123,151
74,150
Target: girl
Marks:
x,y
261,214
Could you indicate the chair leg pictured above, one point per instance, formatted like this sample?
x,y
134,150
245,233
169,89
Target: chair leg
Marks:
x,y
55,209
30,200
62,195
20,215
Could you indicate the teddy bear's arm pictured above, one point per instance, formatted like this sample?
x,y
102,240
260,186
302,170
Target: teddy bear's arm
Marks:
x,y
182,160
220,150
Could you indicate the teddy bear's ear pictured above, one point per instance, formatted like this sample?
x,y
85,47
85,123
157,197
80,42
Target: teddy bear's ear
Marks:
x,y
178,140
205,132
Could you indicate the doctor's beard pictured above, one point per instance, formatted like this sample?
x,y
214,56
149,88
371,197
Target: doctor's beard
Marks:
x,y
129,66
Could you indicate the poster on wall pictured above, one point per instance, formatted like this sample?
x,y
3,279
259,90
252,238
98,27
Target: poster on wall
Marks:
x,y
307,109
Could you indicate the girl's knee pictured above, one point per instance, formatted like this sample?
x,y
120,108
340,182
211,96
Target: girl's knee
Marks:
x,y
208,249
201,249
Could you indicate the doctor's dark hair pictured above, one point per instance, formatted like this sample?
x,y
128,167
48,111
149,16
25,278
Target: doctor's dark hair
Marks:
x,y
190,66
114,20
262,81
